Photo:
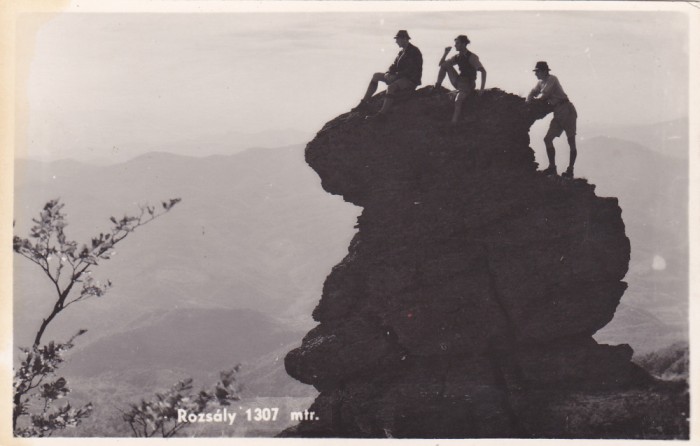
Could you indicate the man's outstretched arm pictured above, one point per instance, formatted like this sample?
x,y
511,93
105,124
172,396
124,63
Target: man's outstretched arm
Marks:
x,y
534,92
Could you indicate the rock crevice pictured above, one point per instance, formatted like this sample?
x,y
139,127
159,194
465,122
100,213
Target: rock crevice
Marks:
x,y
471,291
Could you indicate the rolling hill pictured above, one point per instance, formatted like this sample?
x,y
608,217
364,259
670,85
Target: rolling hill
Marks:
x,y
254,230
233,272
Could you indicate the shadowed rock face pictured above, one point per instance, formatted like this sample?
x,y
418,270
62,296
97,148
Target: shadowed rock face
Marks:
x,y
472,288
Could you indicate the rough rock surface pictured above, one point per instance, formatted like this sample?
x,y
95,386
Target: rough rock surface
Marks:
x,y
468,299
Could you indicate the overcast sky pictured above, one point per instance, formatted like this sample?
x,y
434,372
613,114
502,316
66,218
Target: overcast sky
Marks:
x,y
142,81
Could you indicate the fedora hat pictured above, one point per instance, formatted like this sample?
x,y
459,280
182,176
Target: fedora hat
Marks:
x,y
541,65
402,33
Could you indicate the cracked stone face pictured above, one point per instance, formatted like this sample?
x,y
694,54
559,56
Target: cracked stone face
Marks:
x,y
472,288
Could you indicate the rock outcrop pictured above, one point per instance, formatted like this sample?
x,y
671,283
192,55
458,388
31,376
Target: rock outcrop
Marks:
x,y
468,299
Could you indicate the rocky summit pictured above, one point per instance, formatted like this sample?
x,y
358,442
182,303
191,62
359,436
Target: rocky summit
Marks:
x,y
466,305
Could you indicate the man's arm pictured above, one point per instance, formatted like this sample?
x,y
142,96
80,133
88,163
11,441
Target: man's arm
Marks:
x,y
393,67
534,92
444,56
549,87
479,67
443,71
412,63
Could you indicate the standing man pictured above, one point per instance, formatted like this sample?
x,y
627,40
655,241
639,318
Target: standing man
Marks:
x,y
549,89
465,80
404,74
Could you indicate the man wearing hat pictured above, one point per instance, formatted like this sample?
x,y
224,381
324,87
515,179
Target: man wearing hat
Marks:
x,y
404,74
465,80
549,89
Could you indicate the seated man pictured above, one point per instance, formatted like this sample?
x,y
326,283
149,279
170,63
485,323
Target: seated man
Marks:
x,y
549,89
465,80
404,74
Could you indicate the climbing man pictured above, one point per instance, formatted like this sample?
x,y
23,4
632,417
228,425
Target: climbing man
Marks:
x,y
464,81
549,89
404,74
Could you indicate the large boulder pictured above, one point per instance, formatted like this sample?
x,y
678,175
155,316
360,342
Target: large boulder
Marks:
x,y
471,291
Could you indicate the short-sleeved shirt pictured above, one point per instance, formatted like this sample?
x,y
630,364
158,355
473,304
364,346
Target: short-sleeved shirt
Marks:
x,y
551,91
468,64
565,114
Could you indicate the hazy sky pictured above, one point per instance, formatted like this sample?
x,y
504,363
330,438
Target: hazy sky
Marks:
x,y
143,81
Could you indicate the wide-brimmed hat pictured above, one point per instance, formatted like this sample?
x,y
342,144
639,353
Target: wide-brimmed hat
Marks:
x,y
541,65
462,38
402,33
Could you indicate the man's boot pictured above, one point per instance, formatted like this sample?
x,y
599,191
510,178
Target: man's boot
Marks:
x,y
550,171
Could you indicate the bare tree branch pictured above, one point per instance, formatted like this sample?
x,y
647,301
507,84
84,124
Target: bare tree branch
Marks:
x,y
51,251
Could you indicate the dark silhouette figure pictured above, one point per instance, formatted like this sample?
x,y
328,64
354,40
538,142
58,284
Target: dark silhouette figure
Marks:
x,y
404,74
549,89
464,81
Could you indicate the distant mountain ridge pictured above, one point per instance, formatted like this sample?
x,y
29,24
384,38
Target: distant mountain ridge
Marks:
x,y
670,363
641,329
652,189
226,143
255,232
199,342
273,193
669,138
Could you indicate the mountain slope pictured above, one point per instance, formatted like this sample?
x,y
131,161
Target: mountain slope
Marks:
x,y
253,230
197,341
652,190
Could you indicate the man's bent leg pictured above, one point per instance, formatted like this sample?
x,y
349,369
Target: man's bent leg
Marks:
x,y
454,77
373,85
392,89
459,101
441,75
388,101
445,69
464,90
